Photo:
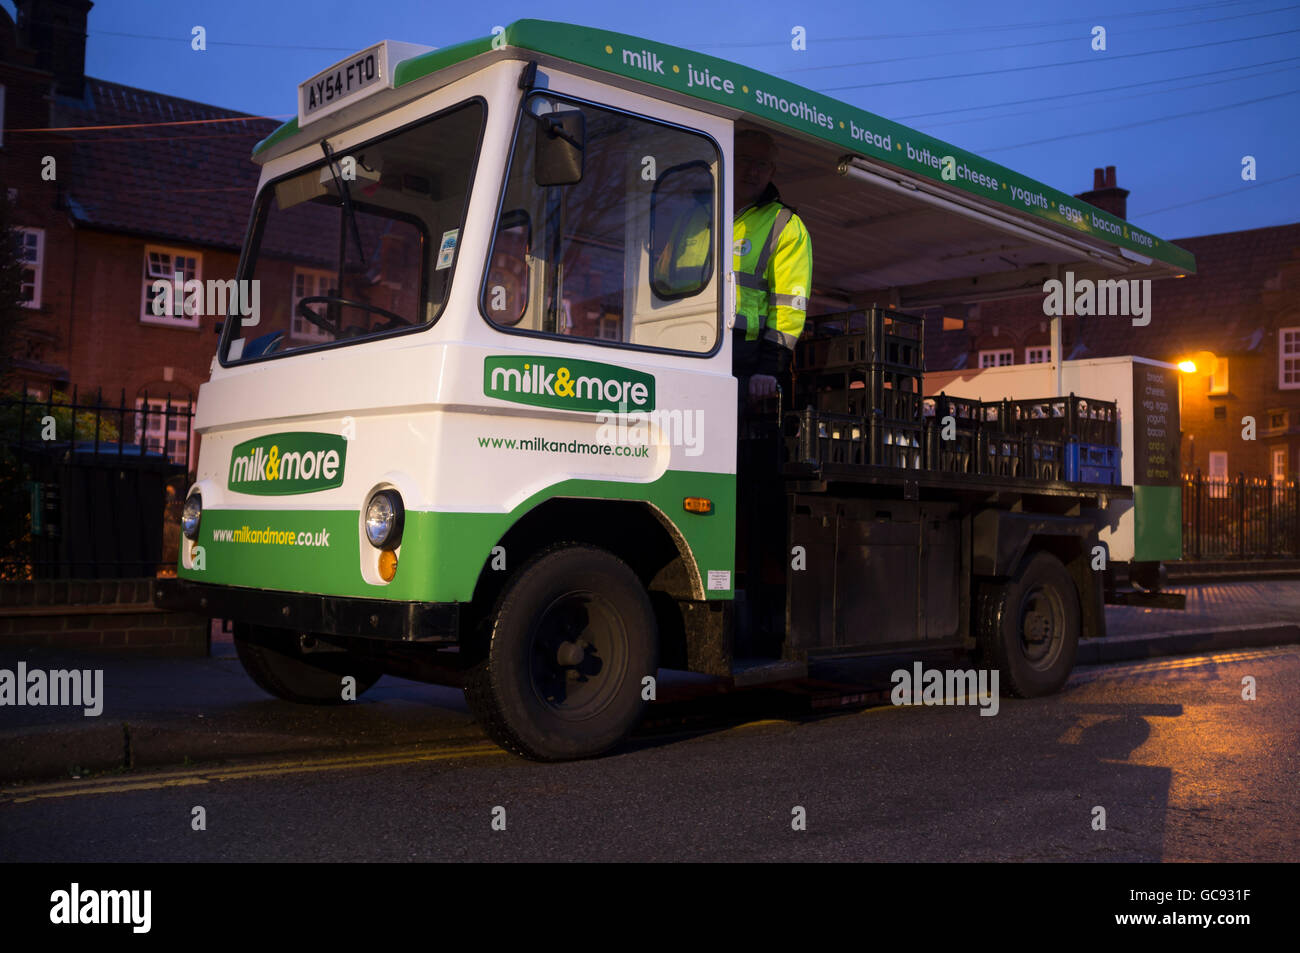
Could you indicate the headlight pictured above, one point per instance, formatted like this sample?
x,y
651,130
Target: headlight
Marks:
x,y
384,520
191,515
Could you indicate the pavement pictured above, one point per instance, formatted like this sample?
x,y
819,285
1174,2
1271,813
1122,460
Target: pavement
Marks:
x,y
176,711
1219,616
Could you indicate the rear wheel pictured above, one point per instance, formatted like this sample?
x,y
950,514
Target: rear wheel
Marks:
x,y
1028,627
276,661
572,636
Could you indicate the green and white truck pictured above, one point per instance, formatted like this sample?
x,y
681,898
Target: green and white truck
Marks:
x,y
471,436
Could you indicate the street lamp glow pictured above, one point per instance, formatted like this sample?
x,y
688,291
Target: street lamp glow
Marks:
x,y
1187,367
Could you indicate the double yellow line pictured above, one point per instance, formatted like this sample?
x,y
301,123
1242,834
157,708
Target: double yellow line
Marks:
x,y
175,779
1142,667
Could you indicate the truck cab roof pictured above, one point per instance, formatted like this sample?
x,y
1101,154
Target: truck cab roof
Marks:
x,y
924,224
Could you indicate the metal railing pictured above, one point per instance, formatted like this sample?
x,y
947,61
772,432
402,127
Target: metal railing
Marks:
x,y
1240,518
89,489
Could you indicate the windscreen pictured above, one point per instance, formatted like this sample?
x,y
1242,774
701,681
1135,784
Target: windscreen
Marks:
x,y
360,245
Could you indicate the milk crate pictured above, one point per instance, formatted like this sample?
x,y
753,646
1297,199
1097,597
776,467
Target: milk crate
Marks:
x,y
1000,454
818,438
957,455
964,411
862,390
814,437
1057,418
895,444
1044,459
1091,463
873,336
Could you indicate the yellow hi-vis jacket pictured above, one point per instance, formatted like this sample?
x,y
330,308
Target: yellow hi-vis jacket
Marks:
x,y
772,258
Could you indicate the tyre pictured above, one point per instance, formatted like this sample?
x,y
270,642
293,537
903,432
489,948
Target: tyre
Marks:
x,y
274,659
1028,627
571,637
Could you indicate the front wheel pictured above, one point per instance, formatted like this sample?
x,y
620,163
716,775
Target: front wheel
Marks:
x,y
1029,627
275,660
572,637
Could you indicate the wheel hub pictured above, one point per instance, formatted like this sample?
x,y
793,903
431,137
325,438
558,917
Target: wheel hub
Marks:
x,y
571,654
1042,625
576,639
1038,627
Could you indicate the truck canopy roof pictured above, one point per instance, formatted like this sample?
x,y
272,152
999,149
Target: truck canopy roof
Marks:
x,y
896,216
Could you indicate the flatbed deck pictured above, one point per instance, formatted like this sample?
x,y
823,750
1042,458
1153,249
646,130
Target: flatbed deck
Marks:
x,y
811,478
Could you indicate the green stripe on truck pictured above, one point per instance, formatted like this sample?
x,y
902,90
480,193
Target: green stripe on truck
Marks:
x,y
441,553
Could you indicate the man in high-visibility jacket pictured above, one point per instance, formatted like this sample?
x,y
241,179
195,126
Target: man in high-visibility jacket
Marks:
x,y
772,258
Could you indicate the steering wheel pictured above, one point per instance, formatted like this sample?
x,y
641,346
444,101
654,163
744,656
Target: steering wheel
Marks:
x,y
305,312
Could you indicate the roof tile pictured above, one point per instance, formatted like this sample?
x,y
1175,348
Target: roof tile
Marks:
x,y
191,184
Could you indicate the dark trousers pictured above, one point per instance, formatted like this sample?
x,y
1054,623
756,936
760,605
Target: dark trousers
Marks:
x,y
760,526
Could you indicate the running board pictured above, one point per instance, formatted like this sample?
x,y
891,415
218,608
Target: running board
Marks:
x,y
747,672
1150,600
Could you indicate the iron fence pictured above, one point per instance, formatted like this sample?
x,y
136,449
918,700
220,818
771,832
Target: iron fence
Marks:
x,y
1240,518
89,489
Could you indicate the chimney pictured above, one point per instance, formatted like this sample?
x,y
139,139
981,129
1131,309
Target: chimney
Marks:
x,y
55,30
1105,194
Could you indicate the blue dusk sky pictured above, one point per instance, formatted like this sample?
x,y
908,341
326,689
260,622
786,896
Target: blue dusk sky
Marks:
x,y
1179,96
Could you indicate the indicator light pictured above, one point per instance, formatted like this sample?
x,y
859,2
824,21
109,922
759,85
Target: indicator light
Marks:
x,y
387,565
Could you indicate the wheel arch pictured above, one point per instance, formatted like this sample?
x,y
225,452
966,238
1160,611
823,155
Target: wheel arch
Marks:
x,y
1003,541
637,532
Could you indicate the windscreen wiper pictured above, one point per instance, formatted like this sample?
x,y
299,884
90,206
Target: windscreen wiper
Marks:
x,y
346,195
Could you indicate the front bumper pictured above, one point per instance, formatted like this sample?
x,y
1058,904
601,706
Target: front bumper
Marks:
x,y
423,622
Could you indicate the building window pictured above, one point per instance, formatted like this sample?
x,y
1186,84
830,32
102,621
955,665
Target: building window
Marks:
x,y
1218,476
1038,355
160,429
309,283
1279,464
1277,420
1001,358
610,327
31,255
1288,358
1219,377
164,264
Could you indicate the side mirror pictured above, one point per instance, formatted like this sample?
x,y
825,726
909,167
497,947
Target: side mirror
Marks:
x,y
561,142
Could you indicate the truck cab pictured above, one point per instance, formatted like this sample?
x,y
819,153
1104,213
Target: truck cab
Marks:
x,y
476,433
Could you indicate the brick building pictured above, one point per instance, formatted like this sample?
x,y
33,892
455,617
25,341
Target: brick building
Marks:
x,y
167,187
114,187
1237,320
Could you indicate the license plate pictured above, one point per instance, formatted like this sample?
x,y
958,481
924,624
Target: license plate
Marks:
x,y
331,89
